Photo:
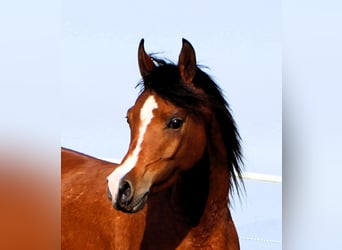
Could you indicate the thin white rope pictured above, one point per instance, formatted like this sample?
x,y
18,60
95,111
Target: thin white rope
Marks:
x,y
260,240
262,177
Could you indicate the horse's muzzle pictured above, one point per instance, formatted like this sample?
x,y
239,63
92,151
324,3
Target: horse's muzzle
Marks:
x,y
125,200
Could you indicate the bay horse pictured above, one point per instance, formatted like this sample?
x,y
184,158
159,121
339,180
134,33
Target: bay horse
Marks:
x,y
171,190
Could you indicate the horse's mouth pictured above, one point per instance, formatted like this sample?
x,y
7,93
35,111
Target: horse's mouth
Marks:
x,y
140,203
135,206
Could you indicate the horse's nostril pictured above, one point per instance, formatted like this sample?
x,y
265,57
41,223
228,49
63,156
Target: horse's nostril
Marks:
x,y
125,192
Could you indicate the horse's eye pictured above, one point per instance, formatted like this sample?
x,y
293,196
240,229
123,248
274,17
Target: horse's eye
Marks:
x,y
175,123
127,120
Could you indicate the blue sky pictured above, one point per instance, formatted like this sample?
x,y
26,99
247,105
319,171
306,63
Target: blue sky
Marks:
x,y
238,40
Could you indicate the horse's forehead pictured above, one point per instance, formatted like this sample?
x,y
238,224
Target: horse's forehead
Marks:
x,y
148,102
144,110
145,103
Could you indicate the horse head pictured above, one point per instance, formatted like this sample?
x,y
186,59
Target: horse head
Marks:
x,y
166,138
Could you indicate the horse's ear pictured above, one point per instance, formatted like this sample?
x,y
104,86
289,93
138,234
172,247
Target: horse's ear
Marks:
x,y
146,64
187,62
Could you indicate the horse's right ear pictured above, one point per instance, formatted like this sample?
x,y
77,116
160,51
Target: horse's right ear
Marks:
x,y
146,64
187,62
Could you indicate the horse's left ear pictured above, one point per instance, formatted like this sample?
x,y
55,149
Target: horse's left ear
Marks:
x,y
187,62
146,64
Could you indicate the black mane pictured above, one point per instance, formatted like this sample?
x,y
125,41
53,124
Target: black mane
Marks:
x,y
166,81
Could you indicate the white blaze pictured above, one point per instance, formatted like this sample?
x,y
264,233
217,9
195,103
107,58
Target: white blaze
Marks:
x,y
146,115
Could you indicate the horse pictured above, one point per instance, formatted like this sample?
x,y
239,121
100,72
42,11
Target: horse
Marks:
x,y
173,187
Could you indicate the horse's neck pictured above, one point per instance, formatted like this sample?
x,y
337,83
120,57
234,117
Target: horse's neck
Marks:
x,y
200,192
189,195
